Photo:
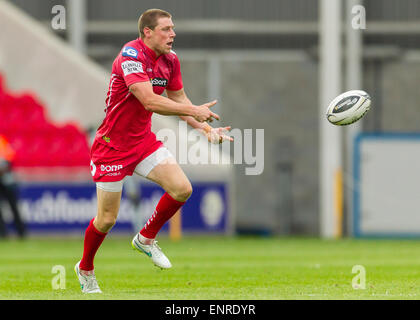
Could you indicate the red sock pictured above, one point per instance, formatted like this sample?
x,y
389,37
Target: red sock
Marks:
x,y
165,209
93,240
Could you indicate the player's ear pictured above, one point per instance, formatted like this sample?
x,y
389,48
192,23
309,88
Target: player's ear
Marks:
x,y
147,32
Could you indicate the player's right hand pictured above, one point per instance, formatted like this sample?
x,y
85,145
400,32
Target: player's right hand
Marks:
x,y
203,113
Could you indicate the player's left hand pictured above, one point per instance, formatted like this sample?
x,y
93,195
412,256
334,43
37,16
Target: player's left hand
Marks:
x,y
218,135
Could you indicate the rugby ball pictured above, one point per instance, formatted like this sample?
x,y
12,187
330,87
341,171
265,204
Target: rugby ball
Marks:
x,y
348,107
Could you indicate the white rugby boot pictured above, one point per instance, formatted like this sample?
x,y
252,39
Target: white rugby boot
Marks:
x,y
153,251
88,283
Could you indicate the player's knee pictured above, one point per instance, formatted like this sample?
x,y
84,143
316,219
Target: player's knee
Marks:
x,y
106,223
183,192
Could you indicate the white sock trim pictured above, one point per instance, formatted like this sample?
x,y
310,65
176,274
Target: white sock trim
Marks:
x,y
145,240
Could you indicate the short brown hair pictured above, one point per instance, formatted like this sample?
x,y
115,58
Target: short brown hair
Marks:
x,y
149,19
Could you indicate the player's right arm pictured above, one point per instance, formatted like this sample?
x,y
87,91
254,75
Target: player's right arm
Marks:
x,y
153,102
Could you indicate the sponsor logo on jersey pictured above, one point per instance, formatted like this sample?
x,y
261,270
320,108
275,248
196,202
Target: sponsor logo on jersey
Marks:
x,y
106,139
129,52
159,82
111,168
130,67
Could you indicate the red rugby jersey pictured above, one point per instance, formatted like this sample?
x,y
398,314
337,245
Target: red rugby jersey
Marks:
x,y
127,123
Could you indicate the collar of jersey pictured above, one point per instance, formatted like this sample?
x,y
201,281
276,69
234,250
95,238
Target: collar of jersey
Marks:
x,y
148,51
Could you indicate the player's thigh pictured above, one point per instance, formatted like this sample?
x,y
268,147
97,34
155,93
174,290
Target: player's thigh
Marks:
x,y
169,175
108,205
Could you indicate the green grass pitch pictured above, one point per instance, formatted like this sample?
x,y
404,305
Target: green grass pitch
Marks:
x,y
217,268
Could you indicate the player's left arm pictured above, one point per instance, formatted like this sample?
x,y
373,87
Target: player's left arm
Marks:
x,y
214,135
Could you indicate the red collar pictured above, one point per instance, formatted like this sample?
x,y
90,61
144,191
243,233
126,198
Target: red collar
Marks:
x,y
148,51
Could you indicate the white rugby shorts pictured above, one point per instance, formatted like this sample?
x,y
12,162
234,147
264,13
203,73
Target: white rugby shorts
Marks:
x,y
142,169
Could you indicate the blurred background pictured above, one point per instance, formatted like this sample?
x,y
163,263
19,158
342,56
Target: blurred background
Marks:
x,y
272,64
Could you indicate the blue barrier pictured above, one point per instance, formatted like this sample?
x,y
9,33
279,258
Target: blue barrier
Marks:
x,y
64,207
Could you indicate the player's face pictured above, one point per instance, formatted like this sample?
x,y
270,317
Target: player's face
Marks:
x,y
162,37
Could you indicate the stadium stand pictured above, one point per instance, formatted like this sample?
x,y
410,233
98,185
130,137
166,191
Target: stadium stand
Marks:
x,y
38,141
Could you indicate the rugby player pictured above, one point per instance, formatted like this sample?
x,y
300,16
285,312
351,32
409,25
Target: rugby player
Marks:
x,y
124,143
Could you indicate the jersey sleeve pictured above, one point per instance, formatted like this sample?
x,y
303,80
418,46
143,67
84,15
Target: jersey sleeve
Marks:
x,y
133,66
175,83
